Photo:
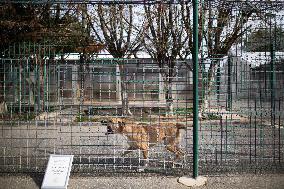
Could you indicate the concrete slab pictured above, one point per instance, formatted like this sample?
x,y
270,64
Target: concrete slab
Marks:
x,y
188,181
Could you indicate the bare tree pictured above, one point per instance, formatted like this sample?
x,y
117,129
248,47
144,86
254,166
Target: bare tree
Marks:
x,y
33,24
221,25
114,26
165,41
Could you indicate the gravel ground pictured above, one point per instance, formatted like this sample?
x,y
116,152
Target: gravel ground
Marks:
x,y
230,144
250,181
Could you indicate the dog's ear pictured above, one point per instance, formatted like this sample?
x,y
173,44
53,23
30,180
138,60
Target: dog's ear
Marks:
x,y
121,125
104,122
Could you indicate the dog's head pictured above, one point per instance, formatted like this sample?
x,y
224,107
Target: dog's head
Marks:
x,y
114,125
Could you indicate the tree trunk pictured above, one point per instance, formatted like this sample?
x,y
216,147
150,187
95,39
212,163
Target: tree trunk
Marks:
x,y
124,93
42,102
75,84
3,108
81,84
207,87
2,78
169,98
31,82
3,105
168,80
82,81
161,88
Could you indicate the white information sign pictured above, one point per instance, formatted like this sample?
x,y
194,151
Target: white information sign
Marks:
x,y
57,172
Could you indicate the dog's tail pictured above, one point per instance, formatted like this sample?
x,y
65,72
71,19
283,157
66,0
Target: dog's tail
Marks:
x,y
180,126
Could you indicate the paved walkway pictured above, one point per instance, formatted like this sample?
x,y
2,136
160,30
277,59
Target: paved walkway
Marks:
x,y
249,181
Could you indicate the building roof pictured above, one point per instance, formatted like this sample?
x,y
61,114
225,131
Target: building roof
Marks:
x,y
256,59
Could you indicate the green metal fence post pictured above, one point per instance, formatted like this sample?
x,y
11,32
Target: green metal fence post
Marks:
x,y
218,82
229,87
272,92
195,88
272,82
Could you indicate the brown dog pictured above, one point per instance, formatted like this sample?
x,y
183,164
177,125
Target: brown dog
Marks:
x,y
144,136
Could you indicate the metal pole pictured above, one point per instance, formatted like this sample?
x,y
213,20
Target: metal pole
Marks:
x,y
272,92
229,87
272,76
218,82
195,88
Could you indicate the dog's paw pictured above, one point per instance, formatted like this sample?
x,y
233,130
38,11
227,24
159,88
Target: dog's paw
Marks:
x,y
177,165
141,169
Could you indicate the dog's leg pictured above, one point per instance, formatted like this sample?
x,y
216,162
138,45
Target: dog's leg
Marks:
x,y
146,160
176,150
145,155
180,152
171,148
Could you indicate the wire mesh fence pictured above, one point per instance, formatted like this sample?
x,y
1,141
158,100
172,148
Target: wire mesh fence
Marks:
x,y
60,94
58,107
242,87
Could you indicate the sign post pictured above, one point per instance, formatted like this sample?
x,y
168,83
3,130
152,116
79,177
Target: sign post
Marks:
x,y
57,172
